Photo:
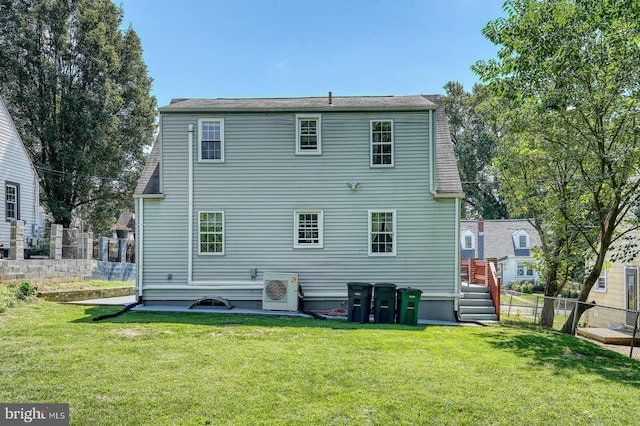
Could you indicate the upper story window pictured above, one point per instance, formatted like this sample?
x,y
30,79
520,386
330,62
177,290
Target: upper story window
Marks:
x,y
12,201
382,233
601,284
211,235
521,240
381,143
467,240
307,229
308,134
211,140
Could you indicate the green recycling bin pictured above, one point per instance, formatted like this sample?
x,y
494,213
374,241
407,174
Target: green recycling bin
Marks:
x,y
384,303
359,302
408,300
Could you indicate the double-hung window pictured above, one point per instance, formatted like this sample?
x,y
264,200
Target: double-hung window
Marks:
x,y
211,227
601,284
382,233
12,201
307,229
381,143
211,140
308,134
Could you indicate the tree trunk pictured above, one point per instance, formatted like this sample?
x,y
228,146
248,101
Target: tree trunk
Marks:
x,y
548,313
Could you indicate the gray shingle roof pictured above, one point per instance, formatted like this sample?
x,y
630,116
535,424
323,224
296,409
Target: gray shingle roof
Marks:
x,y
339,103
498,236
149,182
447,176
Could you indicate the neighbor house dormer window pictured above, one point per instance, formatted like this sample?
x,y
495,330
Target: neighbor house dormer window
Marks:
x,y
468,240
211,140
521,240
308,134
381,143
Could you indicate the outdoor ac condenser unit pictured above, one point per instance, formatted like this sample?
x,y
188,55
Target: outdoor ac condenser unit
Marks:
x,y
280,291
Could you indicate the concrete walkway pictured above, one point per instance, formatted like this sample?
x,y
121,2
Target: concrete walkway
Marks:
x,y
126,300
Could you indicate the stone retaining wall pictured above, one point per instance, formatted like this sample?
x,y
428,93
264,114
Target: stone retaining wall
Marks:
x,y
74,295
64,270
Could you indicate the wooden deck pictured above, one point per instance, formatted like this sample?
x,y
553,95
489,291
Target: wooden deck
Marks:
x,y
606,335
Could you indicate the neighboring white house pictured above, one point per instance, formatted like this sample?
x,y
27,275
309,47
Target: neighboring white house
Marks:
x,y
508,241
19,187
321,191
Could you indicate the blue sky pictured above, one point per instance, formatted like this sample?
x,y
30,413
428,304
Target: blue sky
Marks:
x,y
282,48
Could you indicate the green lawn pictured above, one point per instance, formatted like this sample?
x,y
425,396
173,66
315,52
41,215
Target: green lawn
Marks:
x,y
199,369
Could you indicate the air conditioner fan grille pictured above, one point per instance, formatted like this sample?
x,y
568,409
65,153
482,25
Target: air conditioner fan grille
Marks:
x,y
276,290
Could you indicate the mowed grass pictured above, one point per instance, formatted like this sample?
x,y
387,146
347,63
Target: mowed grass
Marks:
x,y
224,369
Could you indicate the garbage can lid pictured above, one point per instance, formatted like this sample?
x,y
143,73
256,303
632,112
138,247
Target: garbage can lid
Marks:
x,y
409,290
359,285
384,285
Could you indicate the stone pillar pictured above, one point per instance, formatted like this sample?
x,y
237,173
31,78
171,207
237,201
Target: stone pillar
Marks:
x,y
103,249
86,245
55,244
16,240
122,251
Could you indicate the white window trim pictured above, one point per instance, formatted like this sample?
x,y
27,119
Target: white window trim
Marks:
x,y
393,143
516,240
318,118
16,202
222,131
200,252
603,274
296,223
468,233
394,231
524,269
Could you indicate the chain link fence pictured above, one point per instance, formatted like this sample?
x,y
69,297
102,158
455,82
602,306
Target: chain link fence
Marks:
x,y
605,324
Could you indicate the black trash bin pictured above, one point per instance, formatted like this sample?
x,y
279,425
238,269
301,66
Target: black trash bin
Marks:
x,y
384,303
359,302
408,305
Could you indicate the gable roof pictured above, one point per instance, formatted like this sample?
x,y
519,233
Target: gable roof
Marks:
x,y
338,103
7,123
498,236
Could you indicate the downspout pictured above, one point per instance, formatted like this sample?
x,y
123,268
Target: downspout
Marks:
x,y
139,246
190,210
458,289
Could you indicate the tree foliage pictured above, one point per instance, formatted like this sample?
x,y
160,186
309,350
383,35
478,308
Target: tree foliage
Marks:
x,y
474,134
79,93
568,73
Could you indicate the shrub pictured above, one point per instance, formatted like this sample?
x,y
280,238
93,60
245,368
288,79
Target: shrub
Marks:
x,y
513,284
25,290
523,287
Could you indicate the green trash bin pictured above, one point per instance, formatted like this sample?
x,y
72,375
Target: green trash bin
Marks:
x,y
359,302
408,300
384,303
